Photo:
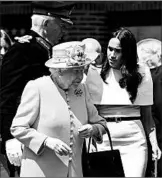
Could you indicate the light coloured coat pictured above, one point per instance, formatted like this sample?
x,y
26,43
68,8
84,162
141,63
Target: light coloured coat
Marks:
x,y
43,112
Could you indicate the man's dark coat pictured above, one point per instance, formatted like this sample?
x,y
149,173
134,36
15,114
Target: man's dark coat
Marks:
x,y
23,62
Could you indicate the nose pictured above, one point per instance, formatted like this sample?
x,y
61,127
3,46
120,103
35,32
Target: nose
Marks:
x,y
112,54
79,75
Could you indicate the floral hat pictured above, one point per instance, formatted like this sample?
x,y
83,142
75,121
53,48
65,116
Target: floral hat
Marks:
x,y
149,52
70,55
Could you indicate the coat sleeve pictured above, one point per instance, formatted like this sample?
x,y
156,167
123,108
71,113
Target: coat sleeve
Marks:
x,y
97,121
26,116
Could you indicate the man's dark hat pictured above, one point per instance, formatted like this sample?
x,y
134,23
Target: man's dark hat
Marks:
x,y
58,9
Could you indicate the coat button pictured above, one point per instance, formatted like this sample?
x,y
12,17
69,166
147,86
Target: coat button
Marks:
x,y
71,116
71,129
71,143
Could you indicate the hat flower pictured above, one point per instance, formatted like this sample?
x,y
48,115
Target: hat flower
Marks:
x,y
70,55
77,56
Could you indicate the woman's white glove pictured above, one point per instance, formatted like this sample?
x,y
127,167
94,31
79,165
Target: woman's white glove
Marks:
x,y
85,131
58,146
14,151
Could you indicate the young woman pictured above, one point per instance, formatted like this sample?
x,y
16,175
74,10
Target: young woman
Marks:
x,y
122,93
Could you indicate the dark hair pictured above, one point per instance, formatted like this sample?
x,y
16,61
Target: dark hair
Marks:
x,y
131,78
5,36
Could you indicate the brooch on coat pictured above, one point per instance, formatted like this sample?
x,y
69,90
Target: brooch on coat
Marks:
x,y
78,92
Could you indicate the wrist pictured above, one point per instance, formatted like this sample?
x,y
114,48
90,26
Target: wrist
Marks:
x,y
43,146
46,142
152,137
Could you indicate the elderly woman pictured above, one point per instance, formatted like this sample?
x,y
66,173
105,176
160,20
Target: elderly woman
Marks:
x,y
55,115
123,94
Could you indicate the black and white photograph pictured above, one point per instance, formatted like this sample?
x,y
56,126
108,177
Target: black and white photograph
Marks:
x,y
80,88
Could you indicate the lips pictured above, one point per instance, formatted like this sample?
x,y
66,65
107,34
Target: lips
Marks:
x,y
112,60
76,82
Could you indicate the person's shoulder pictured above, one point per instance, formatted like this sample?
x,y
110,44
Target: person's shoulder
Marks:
x,y
32,41
41,80
21,46
93,67
94,70
145,89
144,70
25,41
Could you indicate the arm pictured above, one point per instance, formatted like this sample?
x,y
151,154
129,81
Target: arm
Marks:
x,y
150,129
98,123
27,114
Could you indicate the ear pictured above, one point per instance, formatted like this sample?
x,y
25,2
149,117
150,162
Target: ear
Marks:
x,y
46,23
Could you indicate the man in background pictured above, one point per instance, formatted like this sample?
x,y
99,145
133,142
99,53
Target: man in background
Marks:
x,y
150,53
24,62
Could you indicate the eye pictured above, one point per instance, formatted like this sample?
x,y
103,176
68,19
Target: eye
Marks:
x,y
110,48
114,49
118,50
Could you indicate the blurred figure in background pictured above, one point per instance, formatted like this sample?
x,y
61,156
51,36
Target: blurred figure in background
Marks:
x,y
149,52
5,44
25,62
93,45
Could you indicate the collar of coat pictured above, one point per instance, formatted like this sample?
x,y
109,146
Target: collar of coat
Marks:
x,y
45,44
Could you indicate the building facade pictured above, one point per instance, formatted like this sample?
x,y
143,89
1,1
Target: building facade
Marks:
x,y
92,18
